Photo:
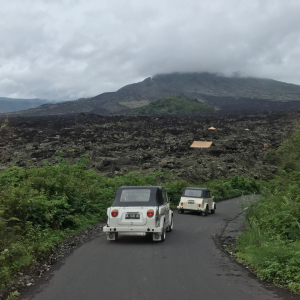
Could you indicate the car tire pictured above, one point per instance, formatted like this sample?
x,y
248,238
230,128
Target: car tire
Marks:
x,y
170,227
163,236
206,211
213,211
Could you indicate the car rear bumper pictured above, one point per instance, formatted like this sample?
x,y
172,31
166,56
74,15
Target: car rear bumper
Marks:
x,y
131,230
189,209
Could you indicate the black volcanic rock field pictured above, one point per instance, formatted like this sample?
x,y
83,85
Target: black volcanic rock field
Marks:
x,y
121,144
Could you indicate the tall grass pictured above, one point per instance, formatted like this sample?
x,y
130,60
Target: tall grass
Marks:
x,y
271,242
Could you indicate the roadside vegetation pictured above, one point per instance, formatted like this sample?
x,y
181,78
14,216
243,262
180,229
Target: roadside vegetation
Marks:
x,y
173,105
271,242
3,125
41,206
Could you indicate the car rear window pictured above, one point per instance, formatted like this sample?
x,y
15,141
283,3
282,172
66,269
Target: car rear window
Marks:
x,y
193,193
135,195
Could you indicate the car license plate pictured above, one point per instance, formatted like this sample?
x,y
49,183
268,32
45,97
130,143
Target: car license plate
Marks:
x,y
191,202
132,216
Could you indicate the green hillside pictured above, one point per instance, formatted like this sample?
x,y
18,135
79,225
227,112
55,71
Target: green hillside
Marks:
x,y
173,105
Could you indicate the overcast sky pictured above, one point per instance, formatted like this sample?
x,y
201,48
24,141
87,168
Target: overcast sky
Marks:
x,y
80,48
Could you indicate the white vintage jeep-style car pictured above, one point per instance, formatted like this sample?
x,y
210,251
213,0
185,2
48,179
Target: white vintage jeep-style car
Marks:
x,y
197,199
139,210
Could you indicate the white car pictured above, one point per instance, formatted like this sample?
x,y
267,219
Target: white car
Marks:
x,y
197,199
139,210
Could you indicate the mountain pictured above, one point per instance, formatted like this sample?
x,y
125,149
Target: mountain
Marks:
x,y
13,104
227,93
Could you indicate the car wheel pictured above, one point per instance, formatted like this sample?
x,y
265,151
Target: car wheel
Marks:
x,y
206,211
163,236
212,211
170,227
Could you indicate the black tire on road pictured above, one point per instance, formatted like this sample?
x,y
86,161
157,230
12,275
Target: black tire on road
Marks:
x,y
170,227
206,211
214,210
163,236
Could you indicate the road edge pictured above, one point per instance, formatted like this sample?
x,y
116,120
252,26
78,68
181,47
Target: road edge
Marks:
x,y
224,239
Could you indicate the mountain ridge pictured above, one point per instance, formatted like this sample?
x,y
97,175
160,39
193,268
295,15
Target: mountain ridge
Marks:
x,y
202,86
8,105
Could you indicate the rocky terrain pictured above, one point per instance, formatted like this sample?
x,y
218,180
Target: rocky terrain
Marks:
x,y
122,144
227,93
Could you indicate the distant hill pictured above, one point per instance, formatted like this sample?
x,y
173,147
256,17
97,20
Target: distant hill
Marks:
x,y
12,104
173,105
227,93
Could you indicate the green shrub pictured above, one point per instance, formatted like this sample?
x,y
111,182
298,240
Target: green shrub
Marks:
x,y
232,187
4,125
174,105
271,243
289,153
274,260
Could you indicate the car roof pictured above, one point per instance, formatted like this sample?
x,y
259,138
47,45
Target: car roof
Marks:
x,y
156,196
141,187
196,188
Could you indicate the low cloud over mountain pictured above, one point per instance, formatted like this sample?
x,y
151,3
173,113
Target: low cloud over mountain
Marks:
x,y
71,49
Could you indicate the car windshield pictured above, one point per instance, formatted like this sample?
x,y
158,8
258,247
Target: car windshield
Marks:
x,y
135,195
193,193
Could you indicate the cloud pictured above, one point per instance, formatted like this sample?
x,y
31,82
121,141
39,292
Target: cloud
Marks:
x,y
73,49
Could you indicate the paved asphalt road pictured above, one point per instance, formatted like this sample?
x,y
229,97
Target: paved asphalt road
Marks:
x,y
188,265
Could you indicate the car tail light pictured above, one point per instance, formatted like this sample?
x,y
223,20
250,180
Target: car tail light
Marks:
x,y
199,205
181,203
150,213
114,213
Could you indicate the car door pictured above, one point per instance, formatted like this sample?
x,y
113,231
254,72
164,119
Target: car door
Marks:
x,y
166,206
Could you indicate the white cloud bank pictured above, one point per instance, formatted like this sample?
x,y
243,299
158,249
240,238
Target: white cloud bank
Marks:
x,y
71,49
